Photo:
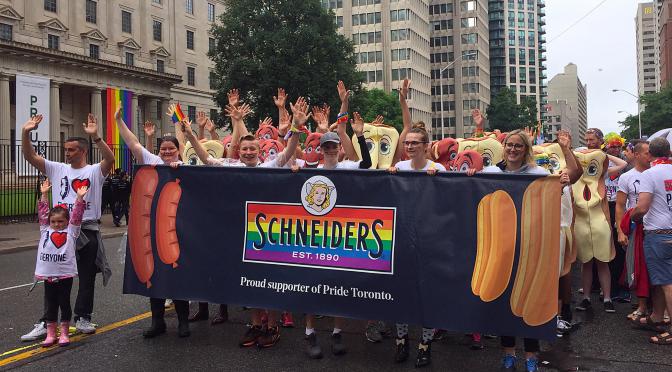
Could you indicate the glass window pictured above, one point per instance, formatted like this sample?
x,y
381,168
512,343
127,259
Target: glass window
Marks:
x,y
5,31
160,67
191,76
126,21
466,6
211,45
189,6
157,30
190,40
50,5
91,11
130,59
94,51
521,56
379,75
512,74
469,22
469,38
212,80
53,41
211,12
522,74
191,113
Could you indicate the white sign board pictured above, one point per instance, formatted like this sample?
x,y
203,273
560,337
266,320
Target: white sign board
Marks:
x,y
32,98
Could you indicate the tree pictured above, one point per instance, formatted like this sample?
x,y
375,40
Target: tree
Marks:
x,y
293,44
374,102
657,115
505,114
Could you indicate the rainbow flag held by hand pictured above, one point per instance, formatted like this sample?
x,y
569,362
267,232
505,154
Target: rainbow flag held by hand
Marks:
x,y
178,115
114,98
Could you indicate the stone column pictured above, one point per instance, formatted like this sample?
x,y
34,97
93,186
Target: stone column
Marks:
x,y
97,109
166,124
134,109
54,112
5,118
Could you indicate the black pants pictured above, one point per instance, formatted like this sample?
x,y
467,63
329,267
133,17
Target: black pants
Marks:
x,y
616,265
530,345
86,266
57,295
121,210
158,306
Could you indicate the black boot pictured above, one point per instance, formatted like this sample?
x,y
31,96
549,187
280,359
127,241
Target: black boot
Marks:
x,y
201,314
158,324
182,310
424,355
222,316
402,349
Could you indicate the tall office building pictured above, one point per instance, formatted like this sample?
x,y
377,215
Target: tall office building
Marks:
x,y
517,49
663,28
392,43
157,49
647,50
567,87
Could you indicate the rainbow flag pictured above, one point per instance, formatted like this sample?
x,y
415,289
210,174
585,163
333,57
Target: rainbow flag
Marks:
x,y
178,115
122,154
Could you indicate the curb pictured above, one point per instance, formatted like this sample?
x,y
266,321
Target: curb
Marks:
x,y
33,245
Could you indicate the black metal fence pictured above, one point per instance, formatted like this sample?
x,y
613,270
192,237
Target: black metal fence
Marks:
x,y
19,181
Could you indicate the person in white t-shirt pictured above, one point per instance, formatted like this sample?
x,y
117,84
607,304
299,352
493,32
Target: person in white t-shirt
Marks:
x,y
67,178
626,198
56,264
169,154
654,207
416,144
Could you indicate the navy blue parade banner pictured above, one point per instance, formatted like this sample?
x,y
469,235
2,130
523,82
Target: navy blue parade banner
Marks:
x,y
467,254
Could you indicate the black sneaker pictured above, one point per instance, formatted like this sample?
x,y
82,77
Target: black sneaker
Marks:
x,y
439,335
158,327
251,336
402,350
270,337
183,329
584,305
424,355
337,347
312,348
609,307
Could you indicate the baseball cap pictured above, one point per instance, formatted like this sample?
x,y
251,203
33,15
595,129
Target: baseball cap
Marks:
x,y
329,137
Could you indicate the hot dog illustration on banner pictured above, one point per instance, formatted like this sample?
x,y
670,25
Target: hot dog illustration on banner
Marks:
x,y
592,223
538,260
381,141
496,245
139,237
167,243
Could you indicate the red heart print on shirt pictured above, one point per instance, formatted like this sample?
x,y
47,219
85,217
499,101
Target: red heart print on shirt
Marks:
x,y
77,183
58,238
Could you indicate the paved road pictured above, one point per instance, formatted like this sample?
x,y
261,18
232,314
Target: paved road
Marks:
x,y
604,342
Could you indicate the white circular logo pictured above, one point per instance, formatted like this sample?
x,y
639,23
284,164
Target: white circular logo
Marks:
x,y
318,195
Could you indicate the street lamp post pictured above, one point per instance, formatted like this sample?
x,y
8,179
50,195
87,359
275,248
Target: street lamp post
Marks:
x,y
443,134
639,112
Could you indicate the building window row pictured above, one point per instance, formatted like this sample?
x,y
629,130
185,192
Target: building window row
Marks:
x,y
441,57
440,9
401,34
447,122
332,4
367,38
446,106
364,2
370,57
400,73
366,19
401,54
440,41
444,24
447,89
374,76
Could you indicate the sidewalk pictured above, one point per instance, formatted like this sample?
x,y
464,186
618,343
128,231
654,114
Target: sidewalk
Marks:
x,y
18,237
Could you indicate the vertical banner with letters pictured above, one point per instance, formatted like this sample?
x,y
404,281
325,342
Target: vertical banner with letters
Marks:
x,y
32,98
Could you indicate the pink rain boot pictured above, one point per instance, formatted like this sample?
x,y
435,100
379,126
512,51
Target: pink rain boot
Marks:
x,y
51,335
64,339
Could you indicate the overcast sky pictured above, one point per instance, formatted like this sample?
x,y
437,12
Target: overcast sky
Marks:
x,y
603,47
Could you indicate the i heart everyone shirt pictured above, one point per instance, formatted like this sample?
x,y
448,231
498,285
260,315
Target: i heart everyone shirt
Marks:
x,y
56,250
65,181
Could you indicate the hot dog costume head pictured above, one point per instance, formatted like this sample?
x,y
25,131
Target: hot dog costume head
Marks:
x,y
490,149
382,142
214,149
592,227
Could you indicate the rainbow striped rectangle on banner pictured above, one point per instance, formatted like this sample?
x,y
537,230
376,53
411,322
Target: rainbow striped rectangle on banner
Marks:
x,y
115,98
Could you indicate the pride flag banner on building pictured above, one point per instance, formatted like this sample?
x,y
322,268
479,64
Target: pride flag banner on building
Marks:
x,y
115,98
466,254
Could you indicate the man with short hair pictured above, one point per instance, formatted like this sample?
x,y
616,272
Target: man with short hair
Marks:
x,y
67,178
654,206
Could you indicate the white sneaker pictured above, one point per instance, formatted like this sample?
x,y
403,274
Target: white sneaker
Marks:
x,y
39,331
168,303
85,326
563,326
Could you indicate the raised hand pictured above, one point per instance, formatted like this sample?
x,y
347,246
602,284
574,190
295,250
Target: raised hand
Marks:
x,y
91,126
237,113
45,186
266,121
477,117
285,122
564,138
201,119
529,132
171,110
81,191
234,97
119,112
342,91
380,120
300,112
209,125
185,126
403,91
149,128
357,124
32,123
326,110
281,99
321,119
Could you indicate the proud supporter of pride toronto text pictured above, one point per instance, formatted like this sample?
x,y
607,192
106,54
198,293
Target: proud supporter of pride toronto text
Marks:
x,y
322,289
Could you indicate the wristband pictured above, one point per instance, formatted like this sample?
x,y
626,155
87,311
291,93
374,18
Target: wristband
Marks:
x,y
291,131
342,118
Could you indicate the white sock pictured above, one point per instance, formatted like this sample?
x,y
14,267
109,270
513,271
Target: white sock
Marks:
x,y
310,331
336,331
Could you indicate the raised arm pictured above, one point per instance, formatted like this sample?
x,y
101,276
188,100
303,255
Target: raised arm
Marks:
x,y
621,198
300,110
178,132
343,94
348,148
573,169
185,128
201,120
237,114
210,127
43,203
150,129
27,147
619,165
358,128
131,140
91,128
406,118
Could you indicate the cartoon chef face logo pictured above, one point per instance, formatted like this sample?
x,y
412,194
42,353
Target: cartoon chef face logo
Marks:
x,y
318,195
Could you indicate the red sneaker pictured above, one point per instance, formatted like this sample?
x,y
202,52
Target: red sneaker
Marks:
x,y
287,320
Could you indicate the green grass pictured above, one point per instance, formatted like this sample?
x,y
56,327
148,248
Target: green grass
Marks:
x,y
17,202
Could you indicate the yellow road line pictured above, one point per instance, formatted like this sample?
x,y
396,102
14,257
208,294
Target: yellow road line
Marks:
x,y
40,350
